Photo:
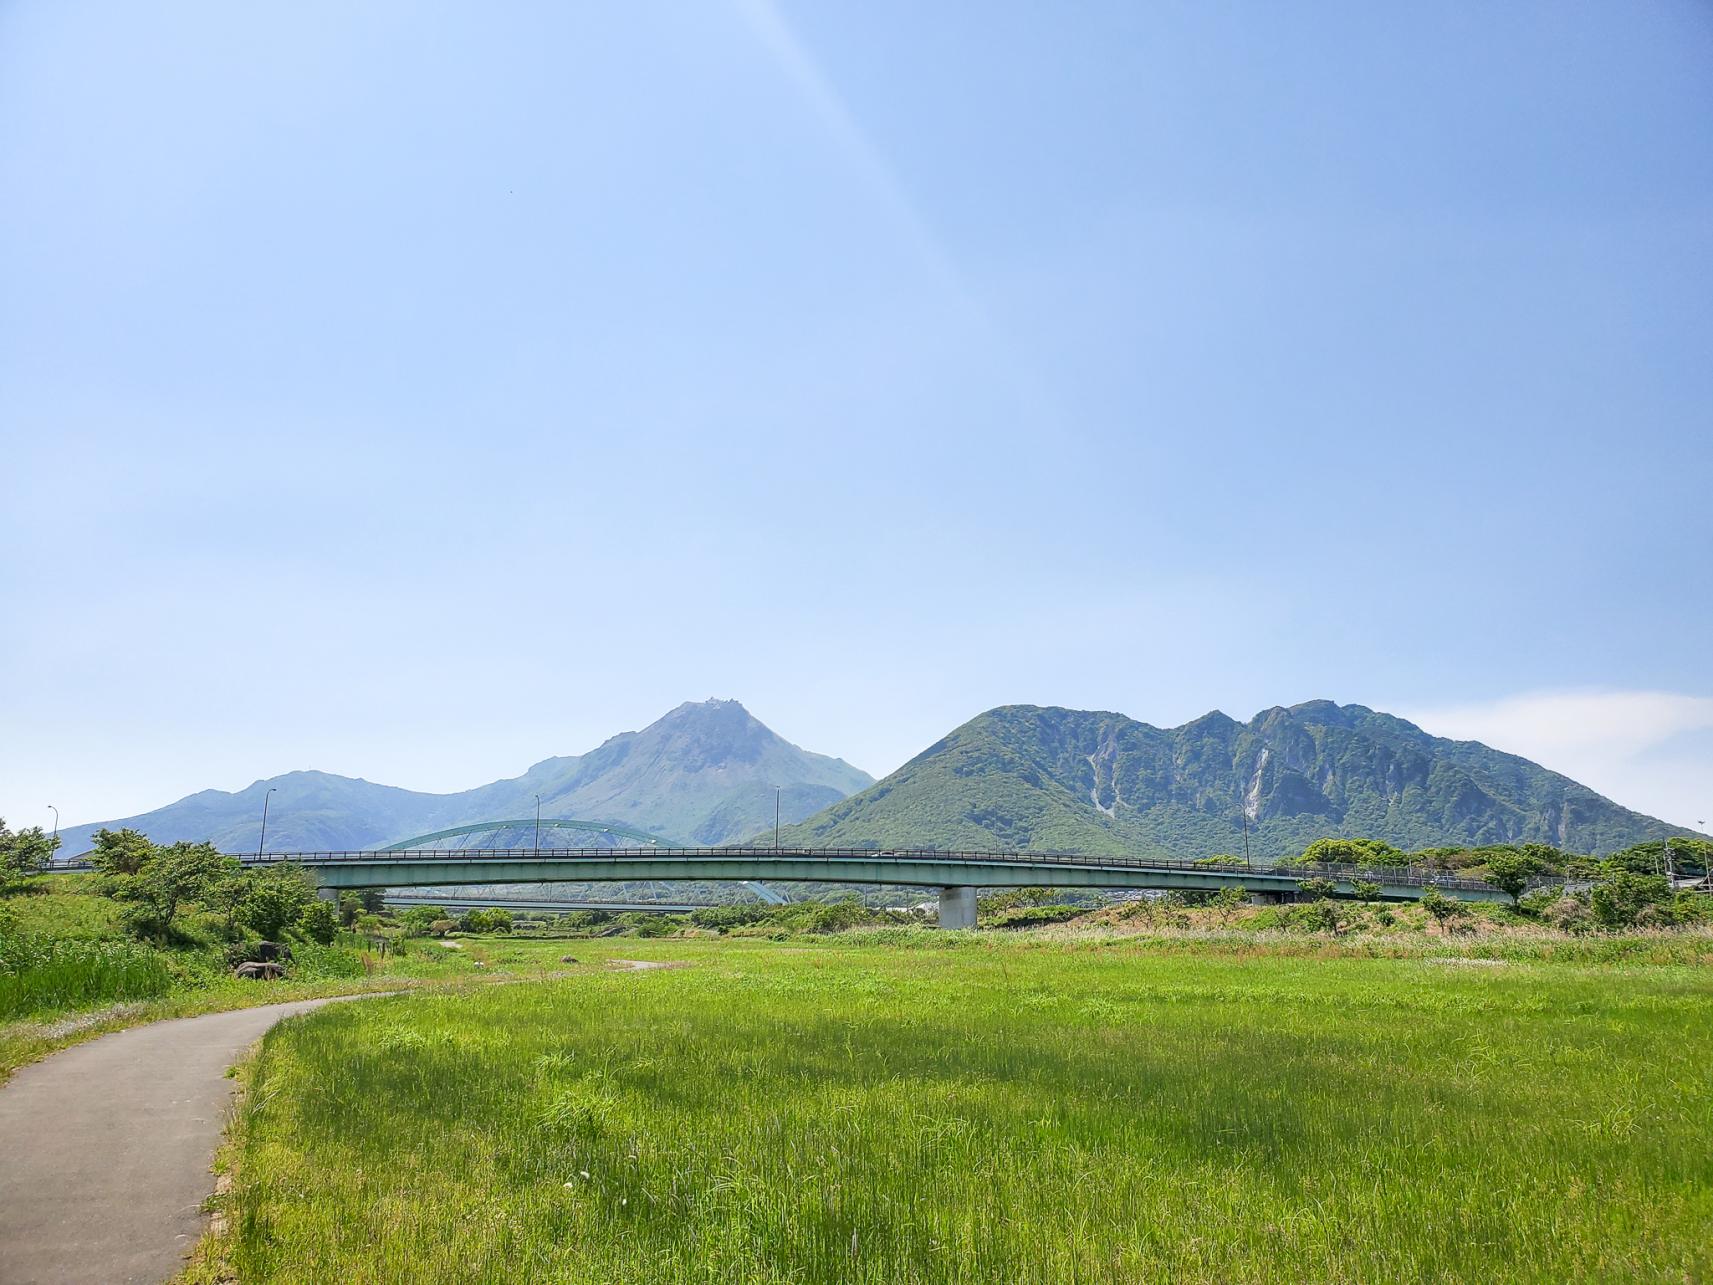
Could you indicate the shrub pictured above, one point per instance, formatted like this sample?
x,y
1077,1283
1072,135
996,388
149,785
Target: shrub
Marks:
x,y
1618,901
23,855
1569,914
419,921
494,919
319,922
1036,916
276,898
836,916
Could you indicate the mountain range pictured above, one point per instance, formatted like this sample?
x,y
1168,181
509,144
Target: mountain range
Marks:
x,y
704,773
1022,776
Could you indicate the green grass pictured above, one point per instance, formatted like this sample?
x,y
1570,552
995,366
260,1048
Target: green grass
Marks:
x,y
958,1109
49,976
68,972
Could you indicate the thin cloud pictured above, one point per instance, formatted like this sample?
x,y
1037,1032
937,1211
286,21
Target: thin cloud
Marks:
x,y
1649,750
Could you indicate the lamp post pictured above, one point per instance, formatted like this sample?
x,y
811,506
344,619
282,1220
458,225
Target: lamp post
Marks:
x,y
262,842
538,825
1245,815
776,818
55,848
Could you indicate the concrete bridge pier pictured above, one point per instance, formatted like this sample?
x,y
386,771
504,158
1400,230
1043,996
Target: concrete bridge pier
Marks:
x,y
957,907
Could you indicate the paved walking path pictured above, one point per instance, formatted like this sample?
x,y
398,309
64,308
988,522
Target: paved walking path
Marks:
x,y
105,1148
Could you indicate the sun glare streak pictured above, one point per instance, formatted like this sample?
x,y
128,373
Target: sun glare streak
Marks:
x,y
878,176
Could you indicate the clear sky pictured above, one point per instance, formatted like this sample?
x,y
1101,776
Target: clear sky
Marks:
x,y
416,391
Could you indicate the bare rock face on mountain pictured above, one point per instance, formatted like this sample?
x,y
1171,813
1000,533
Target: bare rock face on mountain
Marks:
x,y
1080,781
705,773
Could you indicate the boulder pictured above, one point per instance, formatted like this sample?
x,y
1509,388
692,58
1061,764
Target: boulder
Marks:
x,y
271,952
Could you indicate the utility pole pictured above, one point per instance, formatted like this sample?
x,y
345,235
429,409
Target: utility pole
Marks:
x,y
1245,815
55,848
262,842
538,825
776,818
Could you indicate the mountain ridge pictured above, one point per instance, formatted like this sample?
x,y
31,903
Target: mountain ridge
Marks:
x,y
703,772
1095,781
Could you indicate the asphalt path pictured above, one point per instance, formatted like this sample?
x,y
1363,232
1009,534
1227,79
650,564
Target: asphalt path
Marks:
x,y
106,1148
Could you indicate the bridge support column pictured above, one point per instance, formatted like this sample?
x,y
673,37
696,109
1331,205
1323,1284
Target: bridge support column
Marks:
x,y
957,907
324,893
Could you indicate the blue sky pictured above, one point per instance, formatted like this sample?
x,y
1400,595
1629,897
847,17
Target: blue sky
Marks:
x,y
417,391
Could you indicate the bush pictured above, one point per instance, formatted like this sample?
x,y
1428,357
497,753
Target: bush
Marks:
x,y
419,921
1538,903
836,916
1036,916
1618,901
319,922
312,960
276,899
491,920
1568,914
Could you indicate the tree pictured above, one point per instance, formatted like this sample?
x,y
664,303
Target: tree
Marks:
x,y
1358,852
1228,901
1509,872
1316,889
1444,909
319,922
120,852
419,920
495,920
23,854
1365,889
171,877
227,894
278,894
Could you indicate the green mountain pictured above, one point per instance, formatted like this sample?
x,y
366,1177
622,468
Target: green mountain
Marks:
x,y
1022,776
704,773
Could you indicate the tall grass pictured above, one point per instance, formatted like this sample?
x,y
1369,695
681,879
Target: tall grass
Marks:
x,y
1014,1113
42,976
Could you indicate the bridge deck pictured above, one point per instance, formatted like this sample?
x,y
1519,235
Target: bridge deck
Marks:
x,y
923,867
917,866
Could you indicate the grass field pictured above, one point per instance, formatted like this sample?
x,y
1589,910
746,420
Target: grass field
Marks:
x,y
989,1110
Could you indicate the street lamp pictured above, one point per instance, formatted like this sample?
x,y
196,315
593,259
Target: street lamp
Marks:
x,y
1245,815
262,842
776,818
538,825
55,848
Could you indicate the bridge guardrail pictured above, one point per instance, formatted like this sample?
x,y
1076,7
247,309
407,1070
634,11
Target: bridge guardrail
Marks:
x,y
1418,876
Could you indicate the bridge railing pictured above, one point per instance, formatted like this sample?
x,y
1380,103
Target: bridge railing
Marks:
x,y
1417,876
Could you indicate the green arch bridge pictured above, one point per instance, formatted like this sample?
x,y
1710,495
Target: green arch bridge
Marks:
x,y
956,874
